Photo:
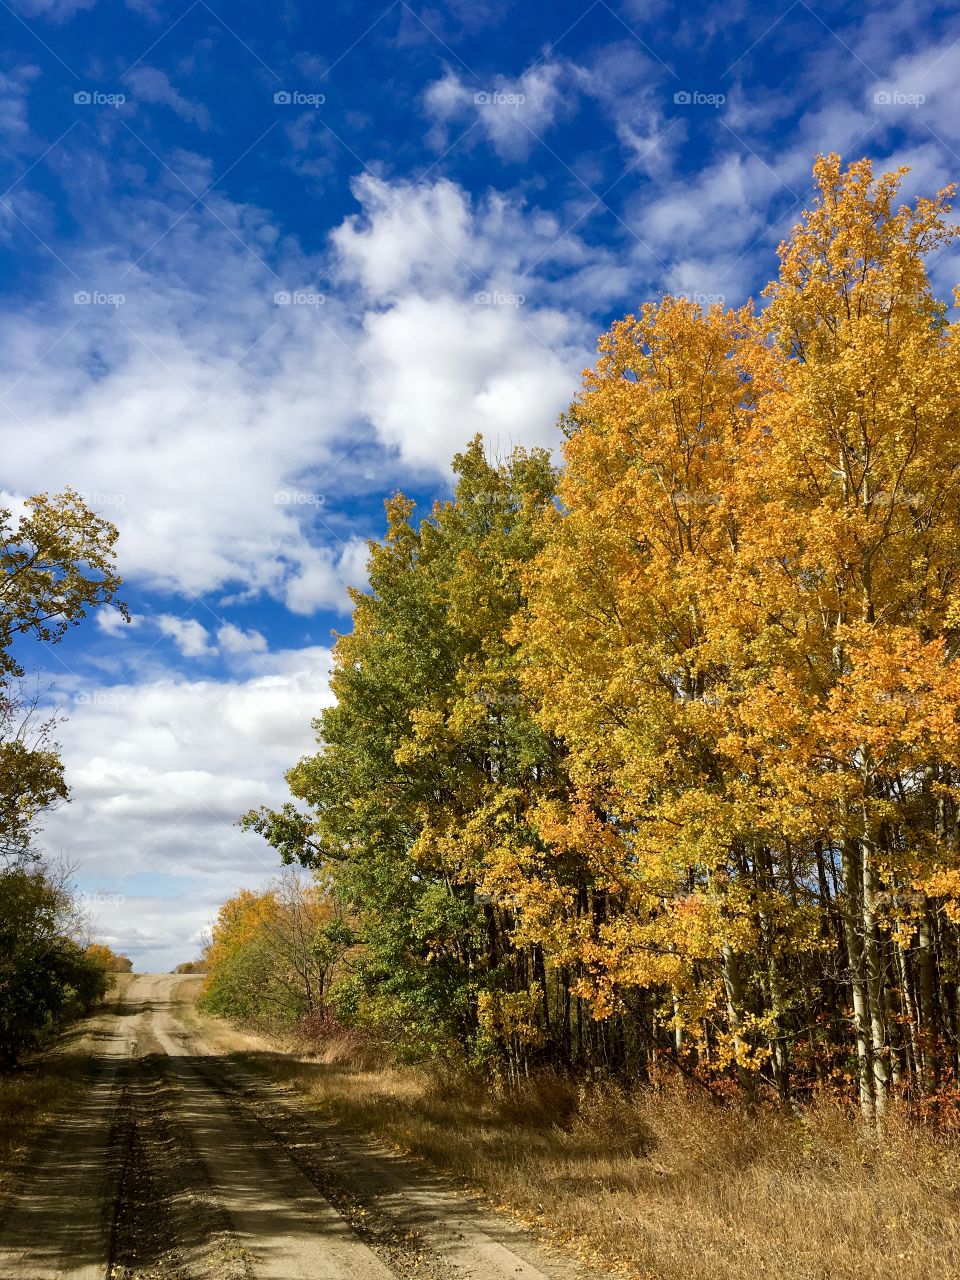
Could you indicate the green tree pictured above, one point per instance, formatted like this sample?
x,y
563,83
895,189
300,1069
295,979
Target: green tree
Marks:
x,y
271,955
56,564
428,761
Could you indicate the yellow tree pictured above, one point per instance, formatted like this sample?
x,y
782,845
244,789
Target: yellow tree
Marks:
x,y
618,638
853,558
744,627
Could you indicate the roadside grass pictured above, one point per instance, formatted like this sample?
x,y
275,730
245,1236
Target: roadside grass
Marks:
x,y
44,1086
663,1184
29,1097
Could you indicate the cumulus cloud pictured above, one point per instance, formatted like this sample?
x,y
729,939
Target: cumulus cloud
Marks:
x,y
324,575
235,640
179,393
466,336
190,637
223,427
409,238
496,369
160,772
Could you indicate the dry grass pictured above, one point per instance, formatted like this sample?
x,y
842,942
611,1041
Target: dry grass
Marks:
x,y
27,1099
45,1085
663,1184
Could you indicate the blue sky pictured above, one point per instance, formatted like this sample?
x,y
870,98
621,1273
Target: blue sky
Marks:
x,y
263,265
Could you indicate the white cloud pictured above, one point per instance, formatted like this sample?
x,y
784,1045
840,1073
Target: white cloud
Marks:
x,y
408,237
160,771
630,90
190,636
514,115
14,93
157,932
196,406
55,10
324,575
235,640
920,89
114,624
14,503
494,368
462,334
511,113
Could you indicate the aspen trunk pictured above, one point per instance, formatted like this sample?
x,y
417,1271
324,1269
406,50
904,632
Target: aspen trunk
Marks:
x,y
858,985
906,995
874,978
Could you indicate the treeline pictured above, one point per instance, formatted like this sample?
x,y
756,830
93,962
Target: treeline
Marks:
x,y
56,564
654,762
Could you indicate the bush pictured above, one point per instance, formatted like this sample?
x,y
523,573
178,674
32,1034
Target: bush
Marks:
x,y
47,977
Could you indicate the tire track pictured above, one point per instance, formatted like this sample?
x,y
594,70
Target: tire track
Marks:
x,y
417,1224
177,1165
168,1220
290,1231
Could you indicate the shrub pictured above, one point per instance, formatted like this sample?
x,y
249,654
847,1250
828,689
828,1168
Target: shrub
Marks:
x,y
46,976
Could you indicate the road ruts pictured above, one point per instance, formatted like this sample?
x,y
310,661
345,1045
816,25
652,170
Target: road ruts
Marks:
x,y
177,1164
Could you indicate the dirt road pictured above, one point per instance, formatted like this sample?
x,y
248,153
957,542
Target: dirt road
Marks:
x,y
178,1164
